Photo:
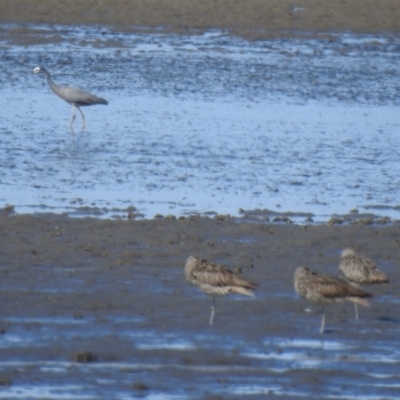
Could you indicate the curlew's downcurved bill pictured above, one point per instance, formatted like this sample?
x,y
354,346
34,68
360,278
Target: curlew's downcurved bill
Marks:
x,y
75,96
358,269
323,289
215,280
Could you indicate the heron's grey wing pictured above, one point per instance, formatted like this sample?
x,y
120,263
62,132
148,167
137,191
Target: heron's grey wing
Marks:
x,y
79,96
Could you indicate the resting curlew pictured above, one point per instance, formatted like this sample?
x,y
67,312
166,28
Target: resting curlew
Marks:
x,y
215,280
358,270
324,290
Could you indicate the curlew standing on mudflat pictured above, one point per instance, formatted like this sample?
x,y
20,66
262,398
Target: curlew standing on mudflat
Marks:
x,y
325,289
215,280
358,269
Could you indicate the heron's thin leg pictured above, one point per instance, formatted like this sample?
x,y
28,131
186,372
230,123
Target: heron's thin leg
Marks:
x,y
73,117
212,311
83,119
356,309
322,321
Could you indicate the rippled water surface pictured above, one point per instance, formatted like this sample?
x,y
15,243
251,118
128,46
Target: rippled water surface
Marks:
x,y
168,353
206,123
200,123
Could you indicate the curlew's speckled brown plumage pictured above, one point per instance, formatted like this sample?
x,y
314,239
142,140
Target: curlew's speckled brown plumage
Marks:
x,y
323,289
215,280
358,270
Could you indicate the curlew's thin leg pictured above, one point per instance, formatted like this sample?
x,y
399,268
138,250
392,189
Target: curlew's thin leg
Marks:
x,y
356,309
322,321
83,119
73,117
212,311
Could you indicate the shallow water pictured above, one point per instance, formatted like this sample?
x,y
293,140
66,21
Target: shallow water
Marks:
x,y
173,365
207,123
151,339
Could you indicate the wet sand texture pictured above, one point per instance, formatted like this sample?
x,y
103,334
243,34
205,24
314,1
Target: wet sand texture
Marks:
x,y
71,287
267,253
247,18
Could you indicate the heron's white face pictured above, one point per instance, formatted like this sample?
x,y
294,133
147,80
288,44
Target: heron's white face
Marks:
x,y
36,70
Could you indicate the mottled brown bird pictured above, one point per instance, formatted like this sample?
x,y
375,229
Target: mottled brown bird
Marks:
x,y
215,280
358,269
323,289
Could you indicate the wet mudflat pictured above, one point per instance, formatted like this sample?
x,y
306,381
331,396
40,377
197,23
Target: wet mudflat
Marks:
x,y
100,309
253,19
201,123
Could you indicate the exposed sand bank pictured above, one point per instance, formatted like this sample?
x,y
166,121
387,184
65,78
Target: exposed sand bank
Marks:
x,y
252,19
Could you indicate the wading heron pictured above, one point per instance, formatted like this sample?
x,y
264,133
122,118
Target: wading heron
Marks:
x,y
76,97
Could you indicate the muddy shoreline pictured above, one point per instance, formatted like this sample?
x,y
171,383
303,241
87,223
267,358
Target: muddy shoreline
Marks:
x,y
264,251
100,307
112,294
267,253
52,239
253,19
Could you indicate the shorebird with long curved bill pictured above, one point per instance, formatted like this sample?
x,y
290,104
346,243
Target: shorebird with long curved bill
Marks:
x,y
323,289
358,269
215,280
